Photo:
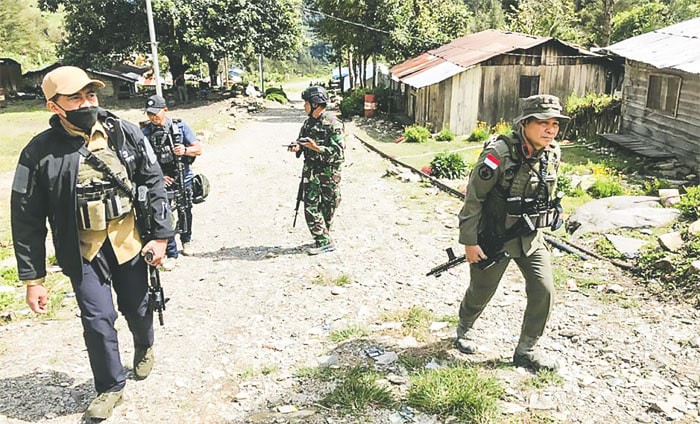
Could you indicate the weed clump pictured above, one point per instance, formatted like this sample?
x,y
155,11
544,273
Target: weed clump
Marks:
x,y
416,134
448,165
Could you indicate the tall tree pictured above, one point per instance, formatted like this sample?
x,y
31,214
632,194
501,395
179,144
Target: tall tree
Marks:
x,y
548,18
27,35
104,31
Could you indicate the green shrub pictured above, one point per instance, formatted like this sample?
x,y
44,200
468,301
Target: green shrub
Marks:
x,y
277,97
416,134
353,103
690,203
357,390
445,135
605,186
448,165
652,187
480,133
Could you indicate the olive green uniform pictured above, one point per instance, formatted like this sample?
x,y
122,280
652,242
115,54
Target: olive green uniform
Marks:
x,y
503,172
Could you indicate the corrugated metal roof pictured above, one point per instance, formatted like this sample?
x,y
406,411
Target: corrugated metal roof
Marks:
x,y
461,54
673,47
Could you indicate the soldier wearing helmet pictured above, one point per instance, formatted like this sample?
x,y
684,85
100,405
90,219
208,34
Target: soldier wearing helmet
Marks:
x,y
514,177
321,143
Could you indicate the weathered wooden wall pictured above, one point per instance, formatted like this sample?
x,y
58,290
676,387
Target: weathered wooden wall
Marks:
x,y
10,76
679,135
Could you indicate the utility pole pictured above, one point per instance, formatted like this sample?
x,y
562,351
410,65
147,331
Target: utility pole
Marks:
x,y
154,47
262,79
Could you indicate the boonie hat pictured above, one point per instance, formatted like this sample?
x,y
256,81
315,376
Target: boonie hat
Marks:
x,y
155,104
541,106
67,80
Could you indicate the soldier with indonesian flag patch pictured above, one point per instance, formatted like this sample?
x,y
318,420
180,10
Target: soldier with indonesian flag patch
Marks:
x,y
515,177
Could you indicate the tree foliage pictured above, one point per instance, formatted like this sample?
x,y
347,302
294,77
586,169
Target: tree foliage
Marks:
x,y
101,32
27,36
547,18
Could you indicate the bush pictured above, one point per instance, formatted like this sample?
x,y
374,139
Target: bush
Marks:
x,y
605,187
353,103
416,134
690,203
651,188
480,133
448,165
277,97
445,135
502,128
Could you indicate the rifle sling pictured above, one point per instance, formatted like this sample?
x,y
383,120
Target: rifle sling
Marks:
x,y
99,165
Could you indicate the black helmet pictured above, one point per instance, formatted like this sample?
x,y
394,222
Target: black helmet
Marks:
x,y
315,94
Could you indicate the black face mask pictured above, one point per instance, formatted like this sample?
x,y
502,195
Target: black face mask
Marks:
x,y
83,118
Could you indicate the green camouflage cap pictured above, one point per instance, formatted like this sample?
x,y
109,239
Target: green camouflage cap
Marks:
x,y
541,106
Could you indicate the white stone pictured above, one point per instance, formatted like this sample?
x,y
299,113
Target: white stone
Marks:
x,y
671,241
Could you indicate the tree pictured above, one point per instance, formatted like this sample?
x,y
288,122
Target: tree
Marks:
x,y
188,30
547,18
28,36
638,20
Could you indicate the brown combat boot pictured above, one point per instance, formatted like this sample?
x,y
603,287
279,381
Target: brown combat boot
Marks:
x,y
526,356
144,359
103,405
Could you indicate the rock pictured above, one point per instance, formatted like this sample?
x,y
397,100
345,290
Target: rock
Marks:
x,y
509,408
674,407
614,288
541,403
386,358
694,267
619,212
669,196
407,342
694,228
437,326
397,379
336,290
287,409
327,361
695,342
628,246
671,241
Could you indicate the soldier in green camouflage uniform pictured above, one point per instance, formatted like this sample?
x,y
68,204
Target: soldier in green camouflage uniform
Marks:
x,y
514,176
321,142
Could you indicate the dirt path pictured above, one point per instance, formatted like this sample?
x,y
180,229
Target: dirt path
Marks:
x,y
245,314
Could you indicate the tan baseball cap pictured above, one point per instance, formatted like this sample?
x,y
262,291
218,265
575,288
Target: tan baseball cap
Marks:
x,y
67,80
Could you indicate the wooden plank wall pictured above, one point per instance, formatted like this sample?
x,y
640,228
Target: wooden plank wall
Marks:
x,y
679,135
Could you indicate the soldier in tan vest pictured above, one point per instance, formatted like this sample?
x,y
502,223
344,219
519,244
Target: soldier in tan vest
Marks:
x,y
514,176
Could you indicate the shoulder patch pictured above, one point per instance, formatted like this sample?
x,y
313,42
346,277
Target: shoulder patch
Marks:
x,y
21,182
491,161
485,172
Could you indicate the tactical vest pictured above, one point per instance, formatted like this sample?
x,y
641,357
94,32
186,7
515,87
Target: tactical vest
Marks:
x,y
321,130
529,184
99,199
163,141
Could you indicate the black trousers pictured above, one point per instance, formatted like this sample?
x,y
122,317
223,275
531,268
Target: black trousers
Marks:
x,y
94,295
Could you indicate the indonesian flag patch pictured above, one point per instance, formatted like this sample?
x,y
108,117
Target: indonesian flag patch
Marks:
x,y
492,161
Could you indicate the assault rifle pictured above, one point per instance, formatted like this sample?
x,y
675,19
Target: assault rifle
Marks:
x,y
156,296
300,198
183,197
491,245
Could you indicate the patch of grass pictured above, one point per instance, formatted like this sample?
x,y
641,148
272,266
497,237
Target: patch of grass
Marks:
x,y
560,274
319,373
605,248
269,369
324,279
351,332
605,186
690,203
543,379
415,321
357,390
458,391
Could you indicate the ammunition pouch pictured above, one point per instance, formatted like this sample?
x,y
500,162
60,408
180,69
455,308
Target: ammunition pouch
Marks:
x,y
99,203
540,217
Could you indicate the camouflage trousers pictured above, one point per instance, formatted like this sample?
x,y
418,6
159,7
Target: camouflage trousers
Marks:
x,y
321,198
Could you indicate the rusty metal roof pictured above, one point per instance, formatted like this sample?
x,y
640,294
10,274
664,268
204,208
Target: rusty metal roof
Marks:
x,y
459,55
673,47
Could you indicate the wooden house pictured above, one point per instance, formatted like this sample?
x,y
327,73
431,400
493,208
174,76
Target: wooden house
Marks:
x,y
661,93
10,76
484,76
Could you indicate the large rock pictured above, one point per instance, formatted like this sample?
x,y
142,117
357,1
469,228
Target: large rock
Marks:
x,y
620,212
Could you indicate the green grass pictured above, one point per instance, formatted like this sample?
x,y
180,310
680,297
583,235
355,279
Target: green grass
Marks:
x,y
543,379
419,155
415,321
325,279
357,390
460,391
352,332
